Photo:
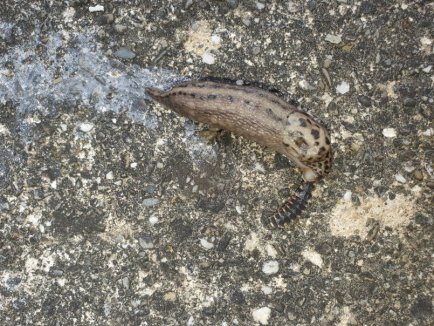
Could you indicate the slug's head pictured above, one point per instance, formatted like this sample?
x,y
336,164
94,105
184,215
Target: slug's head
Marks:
x,y
308,144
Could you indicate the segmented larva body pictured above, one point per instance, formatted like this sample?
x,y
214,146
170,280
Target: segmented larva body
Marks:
x,y
259,115
293,206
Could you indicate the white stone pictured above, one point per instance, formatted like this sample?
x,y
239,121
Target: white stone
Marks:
x,y
314,257
262,315
266,289
109,176
215,39
153,220
260,5
208,58
270,267
427,69
347,195
86,127
96,8
206,244
429,132
304,84
400,178
343,88
335,39
425,40
389,132
190,321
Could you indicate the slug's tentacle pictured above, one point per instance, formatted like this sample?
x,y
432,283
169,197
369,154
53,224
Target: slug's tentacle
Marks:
x,y
293,206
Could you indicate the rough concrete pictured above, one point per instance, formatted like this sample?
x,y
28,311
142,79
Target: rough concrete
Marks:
x,y
115,211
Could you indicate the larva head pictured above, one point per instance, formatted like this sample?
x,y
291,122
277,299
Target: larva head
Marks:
x,y
308,144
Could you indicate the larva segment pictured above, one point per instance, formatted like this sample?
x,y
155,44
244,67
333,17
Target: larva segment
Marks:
x,y
293,206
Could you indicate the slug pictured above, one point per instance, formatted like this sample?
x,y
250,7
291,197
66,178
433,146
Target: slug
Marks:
x,y
261,116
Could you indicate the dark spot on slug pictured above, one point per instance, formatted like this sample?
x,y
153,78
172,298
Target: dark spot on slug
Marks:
x,y
315,133
321,150
285,144
212,97
229,98
327,140
192,95
316,143
300,142
247,102
302,122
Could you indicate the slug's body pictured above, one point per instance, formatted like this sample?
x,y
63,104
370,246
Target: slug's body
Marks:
x,y
255,114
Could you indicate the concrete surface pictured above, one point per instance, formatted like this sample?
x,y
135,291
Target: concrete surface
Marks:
x,y
114,211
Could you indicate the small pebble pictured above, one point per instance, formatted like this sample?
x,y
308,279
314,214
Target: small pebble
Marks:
x,y
367,8
389,132
86,127
291,316
409,102
427,69
170,296
343,88
314,257
327,63
418,175
208,58
146,243
96,8
335,39
270,267
364,100
125,53
261,315
153,220
400,178
109,176
120,28
246,21
232,3
260,5
347,196
305,85
206,244
266,289
148,202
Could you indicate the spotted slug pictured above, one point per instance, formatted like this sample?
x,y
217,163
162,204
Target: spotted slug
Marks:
x,y
261,116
